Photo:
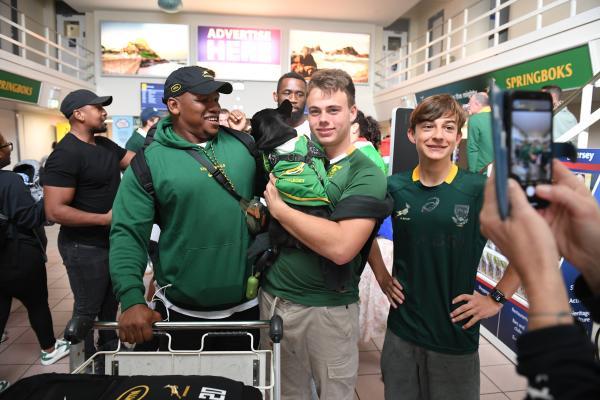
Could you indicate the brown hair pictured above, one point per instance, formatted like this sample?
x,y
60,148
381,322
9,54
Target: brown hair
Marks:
x,y
331,81
437,106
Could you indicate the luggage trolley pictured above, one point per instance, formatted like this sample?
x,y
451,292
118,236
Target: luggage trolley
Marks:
x,y
257,368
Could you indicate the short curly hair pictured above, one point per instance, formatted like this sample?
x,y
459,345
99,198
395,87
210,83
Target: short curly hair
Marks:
x,y
331,81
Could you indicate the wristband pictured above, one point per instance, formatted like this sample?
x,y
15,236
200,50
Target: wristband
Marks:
x,y
498,296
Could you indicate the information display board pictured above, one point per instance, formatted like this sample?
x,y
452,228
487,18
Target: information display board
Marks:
x,y
151,96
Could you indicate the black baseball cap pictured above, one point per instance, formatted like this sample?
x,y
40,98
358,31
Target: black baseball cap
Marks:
x,y
80,98
193,79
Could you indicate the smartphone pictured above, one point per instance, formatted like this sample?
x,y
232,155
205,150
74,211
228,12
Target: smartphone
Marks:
x,y
499,140
529,140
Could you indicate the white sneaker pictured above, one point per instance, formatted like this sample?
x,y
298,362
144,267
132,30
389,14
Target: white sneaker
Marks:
x,y
4,337
3,385
61,349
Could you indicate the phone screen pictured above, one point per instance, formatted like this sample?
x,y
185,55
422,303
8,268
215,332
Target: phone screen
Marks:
x,y
531,143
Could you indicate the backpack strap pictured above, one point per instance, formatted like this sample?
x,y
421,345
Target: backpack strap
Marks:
x,y
141,170
214,172
149,136
246,140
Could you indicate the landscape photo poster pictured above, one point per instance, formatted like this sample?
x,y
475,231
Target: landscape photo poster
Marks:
x,y
314,50
141,49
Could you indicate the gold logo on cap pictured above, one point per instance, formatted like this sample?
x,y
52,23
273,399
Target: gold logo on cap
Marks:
x,y
207,73
176,87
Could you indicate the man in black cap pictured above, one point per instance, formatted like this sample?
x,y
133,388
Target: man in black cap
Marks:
x,y
149,117
80,183
202,269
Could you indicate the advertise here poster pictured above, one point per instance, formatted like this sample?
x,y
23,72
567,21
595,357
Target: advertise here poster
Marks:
x,y
240,53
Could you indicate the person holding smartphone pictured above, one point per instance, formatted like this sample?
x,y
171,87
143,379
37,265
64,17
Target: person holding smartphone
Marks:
x,y
430,348
554,354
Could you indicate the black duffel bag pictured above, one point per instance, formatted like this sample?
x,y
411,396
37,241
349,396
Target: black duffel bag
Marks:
x,y
97,387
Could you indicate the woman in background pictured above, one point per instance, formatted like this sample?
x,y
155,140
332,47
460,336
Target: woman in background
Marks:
x,y
366,136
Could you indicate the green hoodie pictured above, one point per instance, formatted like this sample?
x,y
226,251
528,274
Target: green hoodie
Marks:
x,y
204,234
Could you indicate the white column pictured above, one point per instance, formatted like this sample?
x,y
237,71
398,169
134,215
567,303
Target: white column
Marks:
x,y
465,32
586,111
449,41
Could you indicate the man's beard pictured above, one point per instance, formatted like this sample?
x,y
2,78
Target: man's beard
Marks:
x,y
99,129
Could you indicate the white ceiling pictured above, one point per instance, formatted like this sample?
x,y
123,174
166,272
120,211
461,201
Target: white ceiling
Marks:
x,y
380,12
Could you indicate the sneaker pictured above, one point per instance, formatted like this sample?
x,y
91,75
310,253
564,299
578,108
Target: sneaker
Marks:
x,y
4,337
3,385
61,349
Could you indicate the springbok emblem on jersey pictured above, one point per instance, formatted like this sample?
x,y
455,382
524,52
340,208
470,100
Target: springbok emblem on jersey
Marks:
x,y
402,214
175,391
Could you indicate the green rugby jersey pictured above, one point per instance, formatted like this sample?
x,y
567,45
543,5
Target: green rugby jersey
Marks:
x,y
296,274
437,247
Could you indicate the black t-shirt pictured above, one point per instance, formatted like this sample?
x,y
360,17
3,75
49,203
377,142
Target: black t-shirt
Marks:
x,y
93,170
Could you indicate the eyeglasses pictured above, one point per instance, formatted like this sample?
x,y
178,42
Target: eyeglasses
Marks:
x,y
9,144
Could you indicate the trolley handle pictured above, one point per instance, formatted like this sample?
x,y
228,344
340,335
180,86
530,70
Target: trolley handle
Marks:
x,y
79,326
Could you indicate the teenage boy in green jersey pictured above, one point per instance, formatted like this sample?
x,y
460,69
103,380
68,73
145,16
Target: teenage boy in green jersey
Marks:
x,y
202,269
430,348
321,320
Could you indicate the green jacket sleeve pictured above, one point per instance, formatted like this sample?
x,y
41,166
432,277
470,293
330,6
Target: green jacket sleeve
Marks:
x,y
132,220
473,138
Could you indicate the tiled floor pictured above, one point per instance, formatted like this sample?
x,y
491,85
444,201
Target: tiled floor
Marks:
x,y
19,355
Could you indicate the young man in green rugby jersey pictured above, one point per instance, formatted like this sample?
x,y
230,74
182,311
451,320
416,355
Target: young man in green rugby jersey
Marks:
x,y
430,348
319,307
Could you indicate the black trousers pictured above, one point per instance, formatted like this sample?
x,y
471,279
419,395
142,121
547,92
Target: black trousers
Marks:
x,y
192,340
23,276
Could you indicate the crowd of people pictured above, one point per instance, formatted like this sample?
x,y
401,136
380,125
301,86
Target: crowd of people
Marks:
x,y
204,172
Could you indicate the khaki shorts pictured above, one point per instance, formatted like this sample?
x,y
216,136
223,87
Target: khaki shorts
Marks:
x,y
319,343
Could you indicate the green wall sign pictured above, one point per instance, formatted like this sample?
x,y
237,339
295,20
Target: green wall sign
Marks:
x,y
17,87
568,69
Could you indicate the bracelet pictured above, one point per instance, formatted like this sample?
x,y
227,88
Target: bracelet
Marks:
x,y
558,315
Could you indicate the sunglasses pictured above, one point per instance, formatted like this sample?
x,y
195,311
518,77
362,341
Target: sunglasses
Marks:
x,y
9,144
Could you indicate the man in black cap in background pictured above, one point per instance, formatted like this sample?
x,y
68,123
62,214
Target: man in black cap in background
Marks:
x,y
80,183
202,270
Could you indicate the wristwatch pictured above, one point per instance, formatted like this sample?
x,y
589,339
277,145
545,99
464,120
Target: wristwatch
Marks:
x,y
498,296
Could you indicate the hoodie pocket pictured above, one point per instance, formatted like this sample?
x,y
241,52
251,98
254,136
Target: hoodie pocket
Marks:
x,y
211,276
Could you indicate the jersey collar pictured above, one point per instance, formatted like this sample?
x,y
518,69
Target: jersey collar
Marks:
x,y
339,158
451,175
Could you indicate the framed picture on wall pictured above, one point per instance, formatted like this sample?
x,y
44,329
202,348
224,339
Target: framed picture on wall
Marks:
x,y
314,50
140,49
251,54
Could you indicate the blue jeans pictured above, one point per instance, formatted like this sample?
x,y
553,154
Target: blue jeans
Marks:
x,y
89,277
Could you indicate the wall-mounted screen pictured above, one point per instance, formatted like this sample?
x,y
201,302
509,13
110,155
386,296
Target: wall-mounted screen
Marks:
x,y
151,96
139,49
240,53
312,50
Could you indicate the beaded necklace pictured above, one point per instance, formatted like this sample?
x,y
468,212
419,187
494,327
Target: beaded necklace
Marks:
x,y
213,159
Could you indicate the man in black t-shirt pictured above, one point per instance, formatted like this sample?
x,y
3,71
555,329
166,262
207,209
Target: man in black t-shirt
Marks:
x,y
81,179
